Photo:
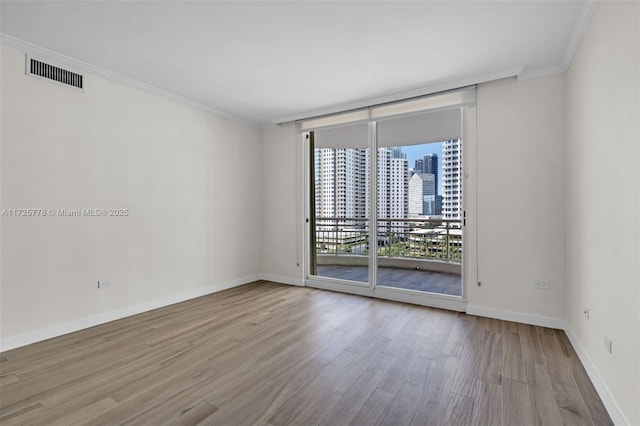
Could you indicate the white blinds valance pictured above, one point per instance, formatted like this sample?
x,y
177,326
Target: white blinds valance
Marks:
x,y
431,103
421,128
414,129
349,136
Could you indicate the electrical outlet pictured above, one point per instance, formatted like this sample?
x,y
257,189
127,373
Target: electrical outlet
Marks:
x,y
608,344
542,284
104,284
586,312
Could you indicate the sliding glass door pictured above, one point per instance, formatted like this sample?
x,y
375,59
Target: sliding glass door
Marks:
x,y
339,159
385,203
419,231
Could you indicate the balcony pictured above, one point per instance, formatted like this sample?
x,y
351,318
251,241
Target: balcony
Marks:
x,y
417,254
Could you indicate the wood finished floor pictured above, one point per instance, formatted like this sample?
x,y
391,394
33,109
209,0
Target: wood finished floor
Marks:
x,y
270,354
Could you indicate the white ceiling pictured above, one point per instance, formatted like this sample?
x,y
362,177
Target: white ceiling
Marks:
x,y
263,60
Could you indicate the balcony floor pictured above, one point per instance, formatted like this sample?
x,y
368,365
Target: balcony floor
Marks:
x,y
412,279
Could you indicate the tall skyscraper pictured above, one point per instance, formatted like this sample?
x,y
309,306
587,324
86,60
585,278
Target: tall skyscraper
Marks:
x,y
339,183
421,188
396,152
423,200
430,165
419,166
342,183
398,186
393,185
427,164
452,173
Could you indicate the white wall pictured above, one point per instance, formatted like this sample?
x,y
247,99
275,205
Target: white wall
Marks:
x,y
520,197
190,179
603,191
282,205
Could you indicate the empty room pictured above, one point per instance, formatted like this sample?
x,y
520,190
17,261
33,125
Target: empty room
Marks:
x,y
320,212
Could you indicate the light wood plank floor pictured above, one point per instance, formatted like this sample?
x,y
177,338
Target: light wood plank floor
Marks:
x,y
271,354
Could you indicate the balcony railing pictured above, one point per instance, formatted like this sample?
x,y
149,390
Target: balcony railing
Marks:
x,y
427,239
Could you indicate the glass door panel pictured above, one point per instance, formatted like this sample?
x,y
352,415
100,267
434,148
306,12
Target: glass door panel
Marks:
x,y
340,203
419,209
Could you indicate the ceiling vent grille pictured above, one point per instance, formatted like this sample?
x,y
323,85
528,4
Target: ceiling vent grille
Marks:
x,y
52,72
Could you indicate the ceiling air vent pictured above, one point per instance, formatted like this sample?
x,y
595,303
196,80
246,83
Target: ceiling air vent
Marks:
x,y
52,72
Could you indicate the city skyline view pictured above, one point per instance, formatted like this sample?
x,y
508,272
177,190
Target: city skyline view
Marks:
x,y
418,210
411,182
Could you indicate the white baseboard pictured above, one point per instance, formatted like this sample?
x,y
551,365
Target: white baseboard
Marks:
x,y
93,320
610,404
539,320
282,279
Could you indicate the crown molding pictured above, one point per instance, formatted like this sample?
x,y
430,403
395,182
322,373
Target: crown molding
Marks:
x,y
78,65
580,27
588,8
542,72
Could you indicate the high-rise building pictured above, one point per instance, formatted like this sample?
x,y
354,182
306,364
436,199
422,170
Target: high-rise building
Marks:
x,y
430,165
398,187
342,183
420,185
423,199
435,201
396,152
324,176
339,183
393,185
452,177
419,166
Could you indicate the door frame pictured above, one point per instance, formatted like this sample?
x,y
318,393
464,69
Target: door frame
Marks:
x,y
469,236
